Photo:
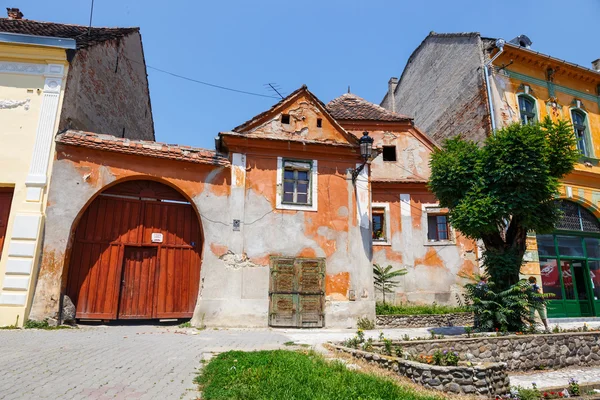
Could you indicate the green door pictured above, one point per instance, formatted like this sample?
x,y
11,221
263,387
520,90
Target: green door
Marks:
x,y
594,270
577,291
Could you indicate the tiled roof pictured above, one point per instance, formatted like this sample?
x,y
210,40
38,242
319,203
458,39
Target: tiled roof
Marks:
x,y
141,147
351,107
77,32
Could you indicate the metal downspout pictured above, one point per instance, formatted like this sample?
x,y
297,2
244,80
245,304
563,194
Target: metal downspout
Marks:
x,y
500,45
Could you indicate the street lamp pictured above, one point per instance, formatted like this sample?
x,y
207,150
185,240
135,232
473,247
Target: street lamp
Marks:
x,y
366,149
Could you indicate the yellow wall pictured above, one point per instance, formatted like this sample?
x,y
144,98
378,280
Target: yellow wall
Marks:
x,y
27,74
526,68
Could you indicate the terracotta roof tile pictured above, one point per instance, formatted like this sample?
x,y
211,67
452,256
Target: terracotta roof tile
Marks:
x,y
351,107
77,32
141,148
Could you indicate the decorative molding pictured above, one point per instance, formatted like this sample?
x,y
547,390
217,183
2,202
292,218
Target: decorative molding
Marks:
x,y
19,266
8,104
15,282
553,87
21,249
7,67
13,299
26,226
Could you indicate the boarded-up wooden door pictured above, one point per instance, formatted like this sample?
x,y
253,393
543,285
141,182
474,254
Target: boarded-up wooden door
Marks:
x,y
137,285
114,241
297,292
6,195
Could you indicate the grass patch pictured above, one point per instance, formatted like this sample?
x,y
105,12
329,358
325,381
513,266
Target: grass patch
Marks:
x,y
31,324
290,343
9,327
284,374
418,309
186,324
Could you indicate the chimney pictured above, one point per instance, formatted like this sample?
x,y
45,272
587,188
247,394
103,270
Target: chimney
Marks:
x,y
392,83
596,65
14,13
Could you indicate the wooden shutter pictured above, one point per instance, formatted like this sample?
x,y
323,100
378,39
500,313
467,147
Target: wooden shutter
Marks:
x,y
311,292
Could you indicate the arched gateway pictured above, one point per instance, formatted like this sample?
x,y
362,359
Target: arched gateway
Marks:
x,y
136,254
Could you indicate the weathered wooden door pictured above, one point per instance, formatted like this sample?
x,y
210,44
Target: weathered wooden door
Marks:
x,y
297,292
6,196
137,284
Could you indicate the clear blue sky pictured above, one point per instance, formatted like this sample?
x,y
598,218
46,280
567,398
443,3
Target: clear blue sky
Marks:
x,y
327,44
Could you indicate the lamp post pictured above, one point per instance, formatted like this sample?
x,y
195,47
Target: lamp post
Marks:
x,y
366,149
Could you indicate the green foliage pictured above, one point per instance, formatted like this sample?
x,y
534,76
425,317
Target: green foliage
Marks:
x,y
186,324
504,310
365,323
293,375
385,278
418,309
505,188
445,357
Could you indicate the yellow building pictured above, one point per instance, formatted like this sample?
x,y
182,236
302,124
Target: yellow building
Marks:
x,y
33,71
55,77
526,86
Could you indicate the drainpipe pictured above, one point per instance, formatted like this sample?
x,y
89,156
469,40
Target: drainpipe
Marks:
x,y
500,45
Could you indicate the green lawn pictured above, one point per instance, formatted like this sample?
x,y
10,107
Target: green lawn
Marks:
x,y
417,309
283,375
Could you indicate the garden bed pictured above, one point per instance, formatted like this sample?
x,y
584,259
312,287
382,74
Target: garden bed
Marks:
x,y
486,379
424,320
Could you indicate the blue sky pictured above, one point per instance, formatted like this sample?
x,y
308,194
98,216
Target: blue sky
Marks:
x,y
327,45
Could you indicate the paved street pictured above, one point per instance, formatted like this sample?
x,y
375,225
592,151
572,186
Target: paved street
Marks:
x,y
140,361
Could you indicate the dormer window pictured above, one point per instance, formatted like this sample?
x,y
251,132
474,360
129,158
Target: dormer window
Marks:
x,y
389,153
527,109
579,119
285,119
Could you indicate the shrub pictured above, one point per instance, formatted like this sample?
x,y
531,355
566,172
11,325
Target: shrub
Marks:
x,y
418,309
384,278
365,324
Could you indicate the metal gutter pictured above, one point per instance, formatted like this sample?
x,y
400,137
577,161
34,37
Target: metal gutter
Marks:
x,y
500,45
46,41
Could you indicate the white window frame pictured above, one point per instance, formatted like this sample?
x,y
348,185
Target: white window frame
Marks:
x,y
314,185
435,209
386,216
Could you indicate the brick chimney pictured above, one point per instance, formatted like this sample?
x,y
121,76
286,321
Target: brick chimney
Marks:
x,y
392,83
14,13
596,65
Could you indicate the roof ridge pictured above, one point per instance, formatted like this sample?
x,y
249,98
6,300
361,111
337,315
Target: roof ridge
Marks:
x,y
69,24
350,106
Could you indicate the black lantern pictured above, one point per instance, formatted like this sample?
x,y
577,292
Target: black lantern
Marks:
x,y
366,149
366,145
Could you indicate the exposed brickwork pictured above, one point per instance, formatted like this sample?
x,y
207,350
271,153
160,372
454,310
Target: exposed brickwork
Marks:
x,y
141,147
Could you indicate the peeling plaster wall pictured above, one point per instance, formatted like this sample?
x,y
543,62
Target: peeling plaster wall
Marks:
x,y
79,174
435,272
442,87
107,90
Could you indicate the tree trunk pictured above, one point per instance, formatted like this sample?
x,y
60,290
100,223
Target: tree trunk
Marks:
x,y
502,259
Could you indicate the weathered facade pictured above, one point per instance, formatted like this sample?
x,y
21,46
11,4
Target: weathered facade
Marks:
x,y
53,76
522,86
405,212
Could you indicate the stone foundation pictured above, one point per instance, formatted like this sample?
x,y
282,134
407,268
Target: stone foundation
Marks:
x,y
423,321
520,353
487,379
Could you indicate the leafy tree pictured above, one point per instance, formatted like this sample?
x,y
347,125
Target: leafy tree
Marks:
x,y
384,278
503,189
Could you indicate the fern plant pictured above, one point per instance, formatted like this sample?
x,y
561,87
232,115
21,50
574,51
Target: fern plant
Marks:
x,y
385,278
504,310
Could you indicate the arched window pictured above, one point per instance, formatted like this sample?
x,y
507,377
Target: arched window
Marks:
x,y
579,119
527,109
577,218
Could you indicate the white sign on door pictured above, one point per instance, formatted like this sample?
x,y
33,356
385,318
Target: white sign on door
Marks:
x,y
157,237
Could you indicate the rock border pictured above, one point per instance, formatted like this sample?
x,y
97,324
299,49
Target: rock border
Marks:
x,y
519,352
487,379
424,320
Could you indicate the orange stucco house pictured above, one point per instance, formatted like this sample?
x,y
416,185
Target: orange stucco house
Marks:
x,y
279,226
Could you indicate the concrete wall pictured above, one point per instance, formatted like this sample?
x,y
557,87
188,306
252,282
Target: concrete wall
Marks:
x,y
442,87
108,92
31,91
437,271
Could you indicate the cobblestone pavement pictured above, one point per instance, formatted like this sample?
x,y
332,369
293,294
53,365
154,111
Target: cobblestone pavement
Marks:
x,y
124,362
146,362
558,378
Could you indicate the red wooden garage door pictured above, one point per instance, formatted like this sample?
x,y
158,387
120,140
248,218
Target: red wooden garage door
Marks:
x,y
136,255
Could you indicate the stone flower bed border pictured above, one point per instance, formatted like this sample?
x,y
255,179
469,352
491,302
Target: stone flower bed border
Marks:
x,y
488,379
518,352
424,320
